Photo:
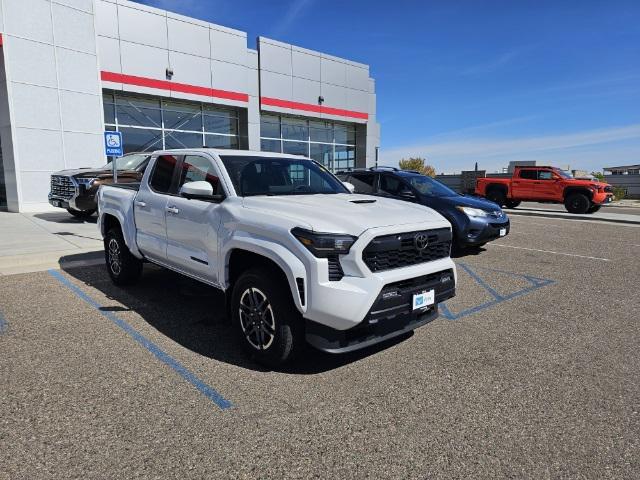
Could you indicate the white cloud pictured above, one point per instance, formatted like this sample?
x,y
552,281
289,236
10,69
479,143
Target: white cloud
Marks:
x,y
590,149
296,8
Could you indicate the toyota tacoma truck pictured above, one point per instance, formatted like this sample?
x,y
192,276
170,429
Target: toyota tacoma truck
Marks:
x,y
300,258
75,190
546,184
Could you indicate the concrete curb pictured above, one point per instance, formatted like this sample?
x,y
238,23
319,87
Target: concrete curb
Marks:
x,y
571,216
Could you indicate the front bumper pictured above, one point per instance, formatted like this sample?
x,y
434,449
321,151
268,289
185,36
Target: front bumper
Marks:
x,y
481,231
603,198
391,315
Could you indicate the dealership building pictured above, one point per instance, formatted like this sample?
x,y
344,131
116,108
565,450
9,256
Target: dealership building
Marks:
x,y
71,69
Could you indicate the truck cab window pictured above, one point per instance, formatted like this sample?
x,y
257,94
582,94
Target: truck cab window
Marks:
x,y
363,182
162,174
196,168
545,175
529,174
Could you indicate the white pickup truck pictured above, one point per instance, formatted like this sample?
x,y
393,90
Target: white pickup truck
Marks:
x,y
299,256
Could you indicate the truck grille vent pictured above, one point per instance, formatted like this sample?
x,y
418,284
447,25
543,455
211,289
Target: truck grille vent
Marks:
x,y
335,269
62,187
401,250
608,189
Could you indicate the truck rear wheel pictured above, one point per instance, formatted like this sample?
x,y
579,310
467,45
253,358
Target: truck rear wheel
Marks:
x,y
577,203
123,267
265,319
496,196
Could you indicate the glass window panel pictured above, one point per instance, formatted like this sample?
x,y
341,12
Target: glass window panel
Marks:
x,y
322,154
109,110
321,131
344,133
182,140
270,126
221,124
139,112
296,148
141,139
271,145
344,157
182,116
220,141
163,173
295,129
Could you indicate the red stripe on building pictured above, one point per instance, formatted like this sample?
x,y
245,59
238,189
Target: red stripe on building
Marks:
x,y
308,107
172,86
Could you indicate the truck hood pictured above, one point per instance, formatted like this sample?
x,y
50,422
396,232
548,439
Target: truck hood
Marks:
x,y
583,182
342,213
91,172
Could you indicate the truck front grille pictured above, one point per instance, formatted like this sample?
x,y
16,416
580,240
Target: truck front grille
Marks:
x,y
405,249
62,187
608,189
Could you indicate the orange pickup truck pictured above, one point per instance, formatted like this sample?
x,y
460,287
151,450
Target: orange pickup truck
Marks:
x,y
546,184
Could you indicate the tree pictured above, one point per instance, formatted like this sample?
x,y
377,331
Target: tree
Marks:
x,y
418,164
598,175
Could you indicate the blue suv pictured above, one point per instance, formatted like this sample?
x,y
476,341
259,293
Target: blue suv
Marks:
x,y
474,221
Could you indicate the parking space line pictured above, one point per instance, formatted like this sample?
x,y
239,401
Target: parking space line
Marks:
x,y
3,324
161,355
497,297
550,251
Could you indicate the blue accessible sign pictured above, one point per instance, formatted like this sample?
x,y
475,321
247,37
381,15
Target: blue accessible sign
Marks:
x,y
113,144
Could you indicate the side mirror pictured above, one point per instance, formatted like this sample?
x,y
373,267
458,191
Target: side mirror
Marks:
x,y
350,186
199,190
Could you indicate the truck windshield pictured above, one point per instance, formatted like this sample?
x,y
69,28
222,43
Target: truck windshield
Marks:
x,y
129,162
429,186
279,176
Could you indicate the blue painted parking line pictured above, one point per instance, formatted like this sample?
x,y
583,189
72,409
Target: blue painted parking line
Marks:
x,y
3,324
535,283
161,355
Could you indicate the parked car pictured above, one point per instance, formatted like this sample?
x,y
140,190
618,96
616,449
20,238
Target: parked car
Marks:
x,y
546,184
75,190
299,256
474,221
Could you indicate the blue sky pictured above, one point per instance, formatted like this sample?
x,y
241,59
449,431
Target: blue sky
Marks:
x,y
466,81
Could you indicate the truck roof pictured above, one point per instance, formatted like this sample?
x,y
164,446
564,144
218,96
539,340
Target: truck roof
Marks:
x,y
226,151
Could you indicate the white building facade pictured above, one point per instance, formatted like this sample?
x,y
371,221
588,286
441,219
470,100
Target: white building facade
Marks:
x,y
71,69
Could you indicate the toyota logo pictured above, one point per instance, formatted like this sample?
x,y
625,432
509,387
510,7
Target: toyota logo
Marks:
x,y
421,241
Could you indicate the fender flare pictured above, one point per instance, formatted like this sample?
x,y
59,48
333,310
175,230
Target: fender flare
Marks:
x,y
290,265
570,189
127,226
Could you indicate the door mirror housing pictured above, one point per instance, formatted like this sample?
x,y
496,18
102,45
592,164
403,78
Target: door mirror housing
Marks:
x,y
350,186
199,190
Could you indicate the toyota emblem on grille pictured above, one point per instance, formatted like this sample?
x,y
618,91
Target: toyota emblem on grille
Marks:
x,y
421,240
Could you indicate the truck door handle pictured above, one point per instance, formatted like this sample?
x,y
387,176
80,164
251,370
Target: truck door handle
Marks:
x,y
140,203
173,209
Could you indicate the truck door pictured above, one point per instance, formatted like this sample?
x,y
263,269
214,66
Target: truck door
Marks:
x,y
192,225
547,186
522,185
150,208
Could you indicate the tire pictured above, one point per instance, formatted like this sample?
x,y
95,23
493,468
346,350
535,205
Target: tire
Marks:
x,y
81,213
496,196
265,318
512,203
577,203
594,208
122,266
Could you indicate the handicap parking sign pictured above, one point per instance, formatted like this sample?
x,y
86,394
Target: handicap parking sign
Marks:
x,y
113,144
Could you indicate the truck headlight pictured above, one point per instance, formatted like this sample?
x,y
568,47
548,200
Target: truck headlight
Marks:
x,y
472,212
87,182
323,245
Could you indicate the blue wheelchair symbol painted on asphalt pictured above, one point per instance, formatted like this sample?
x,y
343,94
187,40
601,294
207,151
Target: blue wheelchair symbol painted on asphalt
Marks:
x,y
533,283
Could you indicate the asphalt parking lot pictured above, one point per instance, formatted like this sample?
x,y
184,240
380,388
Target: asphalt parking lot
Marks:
x,y
530,372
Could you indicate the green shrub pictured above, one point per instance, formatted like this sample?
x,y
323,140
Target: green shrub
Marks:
x,y
619,192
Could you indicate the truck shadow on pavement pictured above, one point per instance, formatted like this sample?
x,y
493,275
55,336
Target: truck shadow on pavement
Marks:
x,y
194,315
64,217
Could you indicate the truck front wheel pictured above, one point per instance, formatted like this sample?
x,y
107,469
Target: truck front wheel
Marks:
x,y
123,267
496,196
577,203
265,319
512,203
